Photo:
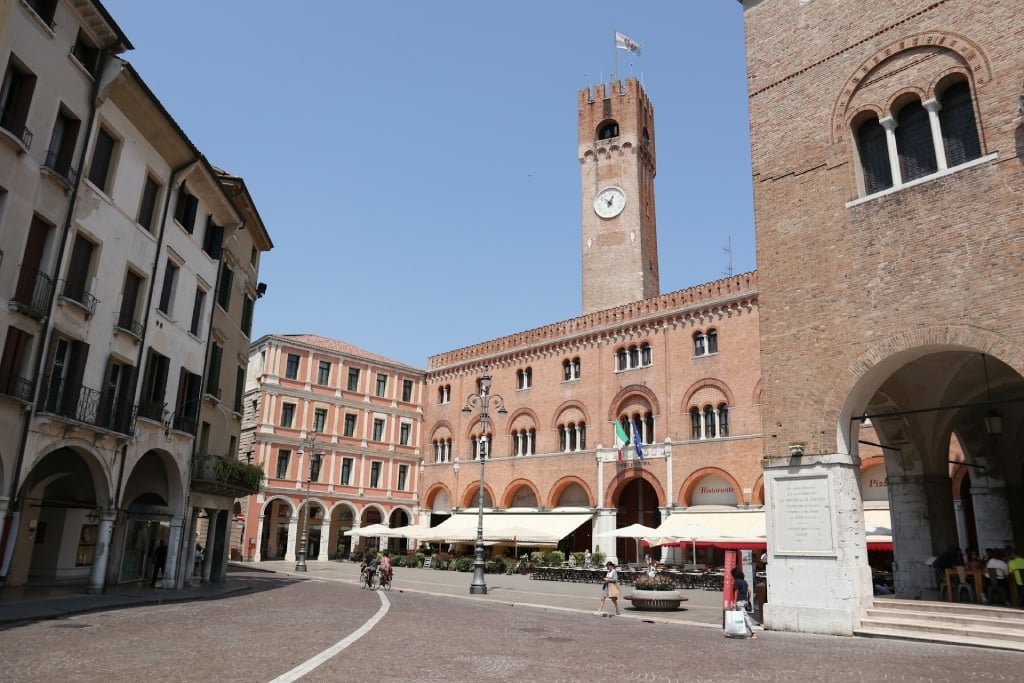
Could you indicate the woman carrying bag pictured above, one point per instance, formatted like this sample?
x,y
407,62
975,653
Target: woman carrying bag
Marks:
x,y
611,589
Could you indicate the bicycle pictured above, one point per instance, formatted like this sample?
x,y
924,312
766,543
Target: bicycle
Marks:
x,y
385,581
368,580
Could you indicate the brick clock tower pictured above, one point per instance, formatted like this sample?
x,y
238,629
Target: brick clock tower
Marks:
x,y
617,168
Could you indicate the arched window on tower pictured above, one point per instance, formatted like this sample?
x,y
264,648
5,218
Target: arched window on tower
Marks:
x,y
723,420
699,344
695,424
914,142
712,341
959,129
608,131
874,156
709,422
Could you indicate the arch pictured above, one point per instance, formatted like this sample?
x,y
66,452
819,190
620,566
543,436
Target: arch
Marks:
x,y
398,508
971,54
155,471
436,431
757,492
513,488
341,505
372,507
557,414
900,98
686,490
700,384
269,502
432,492
629,391
510,422
626,476
562,484
313,500
471,494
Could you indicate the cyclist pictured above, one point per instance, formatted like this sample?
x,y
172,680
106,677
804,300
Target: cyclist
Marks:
x,y
385,568
369,566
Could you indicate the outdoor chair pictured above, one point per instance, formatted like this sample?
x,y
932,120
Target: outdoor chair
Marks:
x,y
963,586
995,588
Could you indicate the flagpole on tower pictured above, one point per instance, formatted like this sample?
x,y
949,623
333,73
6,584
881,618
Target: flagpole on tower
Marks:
x,y
615,52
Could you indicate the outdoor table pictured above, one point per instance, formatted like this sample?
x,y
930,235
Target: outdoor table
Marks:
x,y
692,580
979,586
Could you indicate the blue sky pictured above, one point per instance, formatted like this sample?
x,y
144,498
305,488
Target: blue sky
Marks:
x,y
415,163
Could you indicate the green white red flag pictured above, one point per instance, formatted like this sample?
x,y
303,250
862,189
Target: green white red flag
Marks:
x,y
621,438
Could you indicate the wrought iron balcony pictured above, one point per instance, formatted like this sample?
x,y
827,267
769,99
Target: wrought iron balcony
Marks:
x,y
76,292
62,169
184,423
123,320
77,403
151,410
17,387
33,295
16,128
224,476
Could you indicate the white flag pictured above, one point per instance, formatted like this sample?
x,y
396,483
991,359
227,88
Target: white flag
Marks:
x,y
625,43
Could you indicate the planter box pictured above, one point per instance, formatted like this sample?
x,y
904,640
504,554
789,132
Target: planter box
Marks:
x,y
655,600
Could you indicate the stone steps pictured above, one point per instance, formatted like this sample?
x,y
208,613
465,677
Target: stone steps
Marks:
x,y
942,622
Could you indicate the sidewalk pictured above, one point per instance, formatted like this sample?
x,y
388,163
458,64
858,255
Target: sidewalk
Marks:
x,y
19,604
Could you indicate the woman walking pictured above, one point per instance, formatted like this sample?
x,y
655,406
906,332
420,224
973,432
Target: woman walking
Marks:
x,y
611,589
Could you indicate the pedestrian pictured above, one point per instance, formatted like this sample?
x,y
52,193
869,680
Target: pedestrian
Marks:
x,y
197,567
159,560
741,598
611,589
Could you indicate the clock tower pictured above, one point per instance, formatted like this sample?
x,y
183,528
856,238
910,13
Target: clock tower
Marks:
x,y
617,168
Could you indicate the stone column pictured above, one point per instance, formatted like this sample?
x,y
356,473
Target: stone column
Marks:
x,y
258,549
911,533
169,579
961,525
291,547
101,555
819,581
605,523
210,544
991,517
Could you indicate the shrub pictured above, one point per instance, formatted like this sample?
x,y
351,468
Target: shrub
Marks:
x,y
598,558
653,583
464,564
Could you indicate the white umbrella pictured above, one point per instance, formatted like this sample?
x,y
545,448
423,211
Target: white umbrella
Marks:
x,y
634,531
692,532
379,530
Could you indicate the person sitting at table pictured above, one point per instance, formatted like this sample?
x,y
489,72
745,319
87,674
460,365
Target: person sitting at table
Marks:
x,y
572,559
973,562
1002,570
1016,566
588,560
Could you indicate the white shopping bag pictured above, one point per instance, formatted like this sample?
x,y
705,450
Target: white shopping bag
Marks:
x,y
735,624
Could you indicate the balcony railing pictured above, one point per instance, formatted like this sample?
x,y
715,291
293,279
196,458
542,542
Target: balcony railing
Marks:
x,y
32,298
17,387
17,128
60,168
184,423
224,476
151,410
74,402
76,292
123,320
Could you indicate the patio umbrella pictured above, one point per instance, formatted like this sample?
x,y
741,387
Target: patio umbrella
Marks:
x,y
634,531
379,530
692,532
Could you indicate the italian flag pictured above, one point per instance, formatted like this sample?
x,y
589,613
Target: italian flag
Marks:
x,y
621,438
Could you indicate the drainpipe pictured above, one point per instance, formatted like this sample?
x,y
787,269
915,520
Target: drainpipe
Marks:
x,y
8,534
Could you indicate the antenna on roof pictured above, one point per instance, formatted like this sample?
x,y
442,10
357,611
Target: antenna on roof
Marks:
x,y
728,250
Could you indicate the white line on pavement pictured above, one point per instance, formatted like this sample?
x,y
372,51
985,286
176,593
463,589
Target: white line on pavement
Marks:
x,y
313,662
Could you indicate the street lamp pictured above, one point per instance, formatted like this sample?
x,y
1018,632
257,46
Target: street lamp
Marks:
x,y
314,457
484,402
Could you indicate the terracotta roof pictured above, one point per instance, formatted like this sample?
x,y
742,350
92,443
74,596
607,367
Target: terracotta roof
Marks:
x,y
341,347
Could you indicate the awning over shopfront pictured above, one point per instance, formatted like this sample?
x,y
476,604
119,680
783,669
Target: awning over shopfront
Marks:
x,y
878,525
716,525
509,525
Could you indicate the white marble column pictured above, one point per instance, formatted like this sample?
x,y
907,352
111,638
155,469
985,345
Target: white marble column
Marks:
x,y
169,579
258,551
291,548
889,124
932,106
605,524
991,517
209,544
101,555
961,525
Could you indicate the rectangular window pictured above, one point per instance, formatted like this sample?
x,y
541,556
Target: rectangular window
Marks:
x,y
154,386
382,385
204,437
346,471
62,145
213,239
197,311
15,98
287,414
14,365
283,456
102,160
239,388
170,283
185,209
404,431
227,276
127,318
147,207
323,374
316,461
353,379
213,370
350,424
79,269
35,286
375,475
378,429
186,410
87,54
403,476
291,369
247,308
44,9
407,390
319,419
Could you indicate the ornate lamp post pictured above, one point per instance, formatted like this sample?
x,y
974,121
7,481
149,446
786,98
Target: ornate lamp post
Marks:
x,y
484,402
314,457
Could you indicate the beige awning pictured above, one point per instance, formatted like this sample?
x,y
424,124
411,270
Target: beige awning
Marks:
x,y
711,523
509,525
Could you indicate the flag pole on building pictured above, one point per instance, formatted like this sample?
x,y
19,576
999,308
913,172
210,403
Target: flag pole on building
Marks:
x,y
615,51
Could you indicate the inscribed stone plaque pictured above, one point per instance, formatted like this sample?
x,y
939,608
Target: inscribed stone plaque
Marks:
x,y
803,516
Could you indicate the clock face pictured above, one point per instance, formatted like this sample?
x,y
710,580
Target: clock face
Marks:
x,y
609,202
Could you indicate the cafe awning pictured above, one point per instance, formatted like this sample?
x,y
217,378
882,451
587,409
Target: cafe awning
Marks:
x,y
510,525
716,525
878,526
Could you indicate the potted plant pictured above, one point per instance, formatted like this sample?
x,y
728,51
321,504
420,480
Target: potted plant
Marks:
x,y
655,593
